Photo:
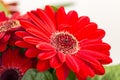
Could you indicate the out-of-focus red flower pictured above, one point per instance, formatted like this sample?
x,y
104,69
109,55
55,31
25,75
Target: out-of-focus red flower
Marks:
x,y
8,26
66,41
13,64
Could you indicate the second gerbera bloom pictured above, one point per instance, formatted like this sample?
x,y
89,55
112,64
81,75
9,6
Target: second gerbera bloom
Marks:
x,y
64,42
13,64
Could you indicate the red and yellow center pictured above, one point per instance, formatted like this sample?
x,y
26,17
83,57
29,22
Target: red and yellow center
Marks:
x,y
64,42
8,25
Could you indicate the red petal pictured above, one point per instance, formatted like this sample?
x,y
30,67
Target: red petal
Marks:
x,y
6,57
6,37
71,63
88,58
12,59
97,47
55,62
81,23
46,55
106,52
40,23
21,34
3,46
72,17
32,52
23,44
62,72
45,46
80,76
38,34
90,41
61,16
64,27
27,24
2,34
86,31
97,55
27,64
32,40
16,15
94,64
51,13
43,65
85,70
62,57
98,69
46,19
99,34
3,16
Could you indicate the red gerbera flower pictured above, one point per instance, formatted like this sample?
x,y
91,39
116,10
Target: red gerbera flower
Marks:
x,y
67,42
13,65
8,26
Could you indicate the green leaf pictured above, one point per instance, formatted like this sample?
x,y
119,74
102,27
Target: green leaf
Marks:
x,y
30,74
44,76
3,8
54,75
33,74
71,76
63,4
112,73
56,6
0,53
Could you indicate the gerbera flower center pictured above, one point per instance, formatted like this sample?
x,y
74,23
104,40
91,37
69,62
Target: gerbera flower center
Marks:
x,y
8,25
10,74
64,42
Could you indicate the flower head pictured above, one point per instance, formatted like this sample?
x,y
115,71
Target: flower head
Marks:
x,y
13,64
66,42
8,26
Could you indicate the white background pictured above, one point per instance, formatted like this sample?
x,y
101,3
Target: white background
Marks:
x,y
106,13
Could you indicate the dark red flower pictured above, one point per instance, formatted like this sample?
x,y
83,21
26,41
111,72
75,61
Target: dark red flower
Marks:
x,y
66,41
13,64
8,26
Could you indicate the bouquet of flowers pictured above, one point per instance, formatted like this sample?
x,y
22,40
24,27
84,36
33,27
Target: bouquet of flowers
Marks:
x,y
50,44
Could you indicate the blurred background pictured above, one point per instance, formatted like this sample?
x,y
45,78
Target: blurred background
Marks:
x,y
106,13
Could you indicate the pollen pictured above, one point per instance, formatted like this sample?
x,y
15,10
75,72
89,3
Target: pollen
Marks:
x,y
64,42
8,25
